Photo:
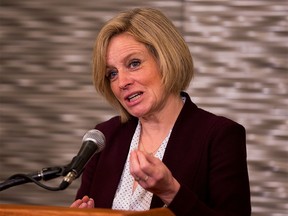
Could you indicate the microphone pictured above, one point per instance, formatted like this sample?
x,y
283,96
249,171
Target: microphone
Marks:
x,y
93,142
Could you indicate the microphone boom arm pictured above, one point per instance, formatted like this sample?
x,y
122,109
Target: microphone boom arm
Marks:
x,y
92,143
45,174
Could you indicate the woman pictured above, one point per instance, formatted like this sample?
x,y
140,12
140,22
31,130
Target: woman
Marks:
x,y
162,150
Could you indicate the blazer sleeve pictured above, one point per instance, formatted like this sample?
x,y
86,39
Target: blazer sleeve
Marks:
x,y
228,192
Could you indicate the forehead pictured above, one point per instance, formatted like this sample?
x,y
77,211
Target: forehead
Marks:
x,y
124,44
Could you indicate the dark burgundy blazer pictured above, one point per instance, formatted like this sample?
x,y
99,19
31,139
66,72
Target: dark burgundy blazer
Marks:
x,y
205,153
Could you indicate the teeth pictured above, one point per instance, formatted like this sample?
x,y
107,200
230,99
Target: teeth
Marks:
x,y
134,97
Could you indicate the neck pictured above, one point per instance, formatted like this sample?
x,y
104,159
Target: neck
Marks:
x,y
156,127
165,117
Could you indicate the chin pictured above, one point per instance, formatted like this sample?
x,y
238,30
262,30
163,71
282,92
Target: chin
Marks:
x,y
137,115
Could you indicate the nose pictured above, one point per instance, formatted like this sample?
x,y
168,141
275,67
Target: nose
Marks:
x,y
124,80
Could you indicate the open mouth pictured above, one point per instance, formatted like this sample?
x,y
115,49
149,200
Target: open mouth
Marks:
x,y
134,97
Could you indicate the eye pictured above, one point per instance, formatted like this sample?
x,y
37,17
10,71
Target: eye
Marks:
x,y
134,63
111,74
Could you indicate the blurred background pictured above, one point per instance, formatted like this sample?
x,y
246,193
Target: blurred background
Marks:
x,y
48,102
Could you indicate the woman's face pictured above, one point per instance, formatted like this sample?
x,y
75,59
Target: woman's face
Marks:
x,y
134,76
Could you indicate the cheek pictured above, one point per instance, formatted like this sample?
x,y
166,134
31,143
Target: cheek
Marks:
x,y
113,88
156,82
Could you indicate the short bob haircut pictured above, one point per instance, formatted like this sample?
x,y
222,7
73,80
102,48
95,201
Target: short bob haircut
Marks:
x,y
152,28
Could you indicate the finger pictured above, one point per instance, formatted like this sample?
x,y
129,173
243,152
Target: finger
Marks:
x,y
134,165
135,168
153,167
142,179
146,168
85,199
134,162
145,179
150,158
83,205
76,203
146,163
90,203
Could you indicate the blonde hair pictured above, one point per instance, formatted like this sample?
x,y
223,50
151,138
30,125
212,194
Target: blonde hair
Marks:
x,y
152,28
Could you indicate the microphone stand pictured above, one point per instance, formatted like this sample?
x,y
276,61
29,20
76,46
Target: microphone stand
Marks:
x,y
45,174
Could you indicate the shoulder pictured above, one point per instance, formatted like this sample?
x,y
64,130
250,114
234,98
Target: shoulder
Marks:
x,y
216,120
221,132
112,122
204,120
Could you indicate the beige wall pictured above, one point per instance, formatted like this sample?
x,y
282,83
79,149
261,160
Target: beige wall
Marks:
x,y
47,100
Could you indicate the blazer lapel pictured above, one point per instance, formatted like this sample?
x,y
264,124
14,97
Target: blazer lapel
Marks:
x,y
111,165
183,154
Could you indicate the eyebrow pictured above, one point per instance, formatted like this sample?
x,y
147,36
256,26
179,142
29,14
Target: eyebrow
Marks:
x,y
126,58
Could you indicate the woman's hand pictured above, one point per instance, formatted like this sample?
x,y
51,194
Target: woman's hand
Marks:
x,y
85,202
152,174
